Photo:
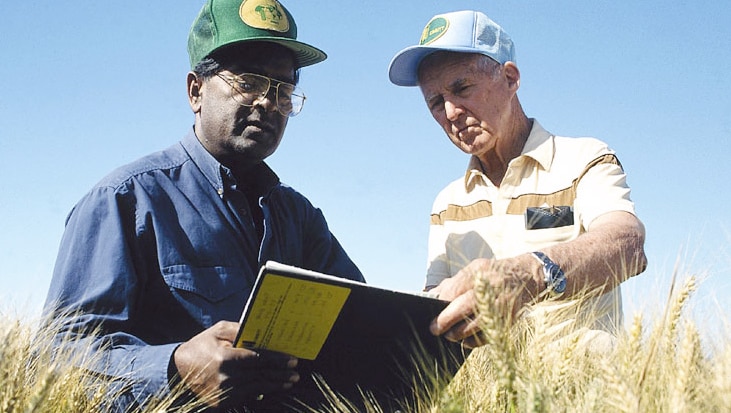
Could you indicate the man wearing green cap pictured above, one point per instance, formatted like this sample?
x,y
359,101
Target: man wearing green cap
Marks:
x,y
546,221
161,255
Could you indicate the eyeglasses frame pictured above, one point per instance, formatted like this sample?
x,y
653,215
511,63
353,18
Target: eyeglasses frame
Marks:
x,y
234,79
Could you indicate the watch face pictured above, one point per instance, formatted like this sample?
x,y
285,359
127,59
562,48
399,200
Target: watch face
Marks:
x,y
560,284
554,277
557,279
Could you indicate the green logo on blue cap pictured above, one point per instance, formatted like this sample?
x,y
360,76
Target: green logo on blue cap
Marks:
x,y
434,30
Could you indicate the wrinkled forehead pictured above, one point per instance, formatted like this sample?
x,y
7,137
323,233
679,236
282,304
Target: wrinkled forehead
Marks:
x,y
442,70
265,58
442,61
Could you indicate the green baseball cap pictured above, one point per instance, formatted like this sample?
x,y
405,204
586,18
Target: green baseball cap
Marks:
x,y
224,22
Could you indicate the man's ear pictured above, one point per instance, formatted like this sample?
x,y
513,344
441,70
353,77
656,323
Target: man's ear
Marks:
x,y
195,86
512,74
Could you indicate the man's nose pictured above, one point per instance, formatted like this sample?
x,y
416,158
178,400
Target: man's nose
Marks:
x,y
268,101
452,110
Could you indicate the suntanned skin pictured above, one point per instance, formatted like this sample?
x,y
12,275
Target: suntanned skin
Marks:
x,y
238,137
482,116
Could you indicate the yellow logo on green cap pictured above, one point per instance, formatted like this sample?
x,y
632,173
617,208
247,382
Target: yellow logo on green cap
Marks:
x,y
434,30
264,14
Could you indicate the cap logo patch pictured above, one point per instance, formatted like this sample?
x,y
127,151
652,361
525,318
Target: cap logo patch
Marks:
x,y
434,30
264,14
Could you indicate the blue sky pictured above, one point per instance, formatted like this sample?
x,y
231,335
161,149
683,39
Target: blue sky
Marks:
x,y
90,85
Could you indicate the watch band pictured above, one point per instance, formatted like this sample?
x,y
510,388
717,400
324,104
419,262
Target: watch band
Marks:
x,y
553,276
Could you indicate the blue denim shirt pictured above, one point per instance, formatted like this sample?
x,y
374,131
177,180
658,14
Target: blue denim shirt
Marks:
x,y
165,247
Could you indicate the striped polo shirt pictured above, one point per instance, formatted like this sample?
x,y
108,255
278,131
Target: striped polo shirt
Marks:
x,y
578,178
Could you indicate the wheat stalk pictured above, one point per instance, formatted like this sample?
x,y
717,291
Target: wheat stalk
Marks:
x,y
498,339
655,367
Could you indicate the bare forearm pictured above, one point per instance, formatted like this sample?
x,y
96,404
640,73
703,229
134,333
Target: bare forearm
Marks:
x,y
611,251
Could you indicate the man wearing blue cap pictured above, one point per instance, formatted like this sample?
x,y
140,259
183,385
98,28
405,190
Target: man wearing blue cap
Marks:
x,y
161,255
544,220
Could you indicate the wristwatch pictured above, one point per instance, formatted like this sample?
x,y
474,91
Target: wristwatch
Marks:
x,y
552,274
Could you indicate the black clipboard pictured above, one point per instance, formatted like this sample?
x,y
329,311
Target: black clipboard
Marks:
x,y
378,344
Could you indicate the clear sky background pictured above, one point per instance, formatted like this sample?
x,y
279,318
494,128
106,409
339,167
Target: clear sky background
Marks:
x,y
90,85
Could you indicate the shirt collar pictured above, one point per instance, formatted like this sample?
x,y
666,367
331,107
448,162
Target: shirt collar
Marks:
x,y
218,175
538,146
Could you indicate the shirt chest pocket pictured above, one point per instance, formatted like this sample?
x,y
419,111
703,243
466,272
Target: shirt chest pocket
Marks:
x,y
549,225
209,294
539,238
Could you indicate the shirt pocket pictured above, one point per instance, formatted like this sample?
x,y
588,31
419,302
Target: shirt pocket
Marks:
x,y
539,238
208,294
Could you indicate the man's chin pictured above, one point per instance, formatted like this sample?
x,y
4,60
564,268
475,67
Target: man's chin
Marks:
x,y
468,148
256,150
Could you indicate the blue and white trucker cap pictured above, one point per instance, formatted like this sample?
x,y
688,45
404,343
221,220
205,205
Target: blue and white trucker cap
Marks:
x,y
464,31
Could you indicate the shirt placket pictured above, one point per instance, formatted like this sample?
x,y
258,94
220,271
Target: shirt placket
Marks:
x,y
238,206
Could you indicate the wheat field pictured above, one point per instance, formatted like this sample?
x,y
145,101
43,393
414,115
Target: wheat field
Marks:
x,y
659,365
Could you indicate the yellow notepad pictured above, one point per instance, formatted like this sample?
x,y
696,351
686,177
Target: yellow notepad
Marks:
x,y
292,315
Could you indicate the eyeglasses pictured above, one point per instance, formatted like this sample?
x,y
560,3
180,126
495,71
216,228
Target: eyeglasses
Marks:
x,y
250,87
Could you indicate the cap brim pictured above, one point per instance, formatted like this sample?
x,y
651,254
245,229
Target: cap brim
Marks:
x,y
404,67
305,54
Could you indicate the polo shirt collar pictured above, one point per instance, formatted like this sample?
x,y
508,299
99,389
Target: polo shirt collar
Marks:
x,y
538,146
474,174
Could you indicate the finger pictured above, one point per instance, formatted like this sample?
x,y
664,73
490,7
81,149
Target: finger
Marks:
x,y
265,381
460,309
463,330
244,390
510,306
253,374
275,359
226,330
473,341
447,289
256,359
280,376
274,368
459,284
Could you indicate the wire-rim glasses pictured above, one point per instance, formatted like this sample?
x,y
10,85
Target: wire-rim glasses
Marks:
x,y
250,87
